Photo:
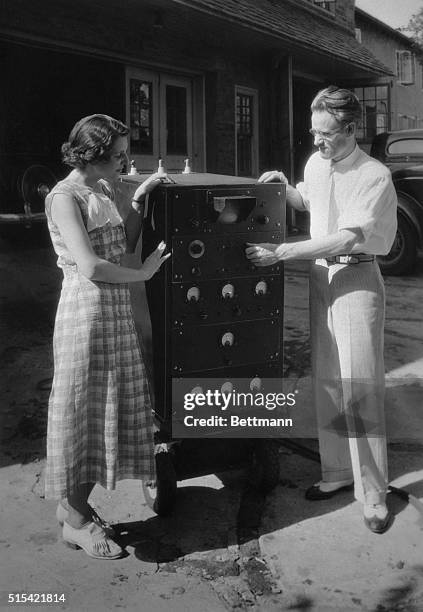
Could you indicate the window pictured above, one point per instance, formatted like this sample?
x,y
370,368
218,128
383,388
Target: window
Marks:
x,y
160,118
141,114
327,5
405,67
406,146
407,122
375,117
246,131
358,35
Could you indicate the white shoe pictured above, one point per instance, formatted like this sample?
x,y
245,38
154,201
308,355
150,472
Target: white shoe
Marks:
x,y
62,515
93,540
380,511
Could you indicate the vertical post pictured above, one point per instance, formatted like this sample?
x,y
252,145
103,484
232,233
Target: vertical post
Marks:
x,y
282,120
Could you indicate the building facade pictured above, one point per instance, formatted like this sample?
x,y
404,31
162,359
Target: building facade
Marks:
x,y
227,84
392,102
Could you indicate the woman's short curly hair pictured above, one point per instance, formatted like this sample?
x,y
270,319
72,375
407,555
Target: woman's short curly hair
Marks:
x,y
342,103
91,140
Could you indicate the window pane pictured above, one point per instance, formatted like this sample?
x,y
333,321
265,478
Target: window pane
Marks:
x,y
176,118
406,146
328,5
369,93
382,92
359,93
375,111
244,133
141,117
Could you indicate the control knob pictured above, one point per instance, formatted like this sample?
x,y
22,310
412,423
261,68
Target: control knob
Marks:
x,y
196,249
263,219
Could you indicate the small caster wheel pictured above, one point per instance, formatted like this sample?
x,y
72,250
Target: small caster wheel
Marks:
x,y
162,497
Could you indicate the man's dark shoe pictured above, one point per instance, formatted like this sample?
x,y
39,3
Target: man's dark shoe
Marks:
x,y
379,525
314,493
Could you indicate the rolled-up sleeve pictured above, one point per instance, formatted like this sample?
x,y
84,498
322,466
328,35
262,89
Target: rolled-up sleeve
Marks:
x,y
302,189
375,213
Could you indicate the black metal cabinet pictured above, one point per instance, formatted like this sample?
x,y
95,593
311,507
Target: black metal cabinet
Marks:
x,y
213,314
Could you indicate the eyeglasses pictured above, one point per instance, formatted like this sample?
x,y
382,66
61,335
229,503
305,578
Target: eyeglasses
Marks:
x,y
326,135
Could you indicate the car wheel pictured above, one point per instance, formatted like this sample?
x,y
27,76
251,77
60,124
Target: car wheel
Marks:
x,y
403,254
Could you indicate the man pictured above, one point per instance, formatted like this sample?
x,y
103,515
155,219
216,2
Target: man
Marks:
x,y
352,205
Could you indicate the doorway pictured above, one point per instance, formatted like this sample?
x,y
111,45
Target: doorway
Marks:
x,y
160,117
304,91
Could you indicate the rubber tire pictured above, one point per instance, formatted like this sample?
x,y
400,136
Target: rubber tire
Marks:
x,y
163,502
403,255
266,465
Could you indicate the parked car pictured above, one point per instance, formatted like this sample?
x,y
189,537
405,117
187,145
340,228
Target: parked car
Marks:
x,y
402,152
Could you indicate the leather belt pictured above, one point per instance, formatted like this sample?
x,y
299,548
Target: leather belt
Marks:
x,y
356,258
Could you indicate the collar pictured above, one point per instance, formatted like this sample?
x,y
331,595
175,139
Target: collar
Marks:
x,y
348,161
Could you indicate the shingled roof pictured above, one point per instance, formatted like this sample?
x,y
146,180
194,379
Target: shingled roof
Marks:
x,y
290,22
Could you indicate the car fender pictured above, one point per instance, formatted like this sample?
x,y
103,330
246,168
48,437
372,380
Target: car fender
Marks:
x,y
413,211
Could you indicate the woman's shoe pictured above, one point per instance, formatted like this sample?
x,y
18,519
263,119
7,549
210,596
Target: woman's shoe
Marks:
x,y
93,540
62,515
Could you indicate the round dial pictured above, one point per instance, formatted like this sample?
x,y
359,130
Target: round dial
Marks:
x,y
228,291
255,384
193,294
261,288
196,249
228,339
197,391
227,387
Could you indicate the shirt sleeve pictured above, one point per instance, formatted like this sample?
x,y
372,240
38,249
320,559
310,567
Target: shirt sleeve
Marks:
x,y
374,212
302,189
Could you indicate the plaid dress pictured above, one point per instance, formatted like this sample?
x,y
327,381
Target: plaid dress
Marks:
x,y
100,426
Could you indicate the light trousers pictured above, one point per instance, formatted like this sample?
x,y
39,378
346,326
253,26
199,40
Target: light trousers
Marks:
x,y
347,313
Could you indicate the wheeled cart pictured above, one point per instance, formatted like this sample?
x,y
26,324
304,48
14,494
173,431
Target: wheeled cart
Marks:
x,y
213,314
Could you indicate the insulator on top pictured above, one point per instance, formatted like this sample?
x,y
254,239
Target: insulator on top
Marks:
x,y
161,168
133,169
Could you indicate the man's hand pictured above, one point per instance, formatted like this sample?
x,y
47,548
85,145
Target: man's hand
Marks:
x,y
273,176
263,254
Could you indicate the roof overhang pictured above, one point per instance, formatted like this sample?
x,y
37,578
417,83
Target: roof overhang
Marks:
x,y
302,33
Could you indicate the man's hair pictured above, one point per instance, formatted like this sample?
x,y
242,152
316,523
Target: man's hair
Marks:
x,y
343,104
91,140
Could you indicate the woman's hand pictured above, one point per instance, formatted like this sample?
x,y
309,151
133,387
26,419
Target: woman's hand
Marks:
x,y
154,261
146,187
263,254
273,176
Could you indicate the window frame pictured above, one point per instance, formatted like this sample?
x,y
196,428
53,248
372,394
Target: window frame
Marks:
x,y
366,138
147,162
321,4
248,91
401,76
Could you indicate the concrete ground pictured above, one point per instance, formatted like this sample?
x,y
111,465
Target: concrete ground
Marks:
x,y
225,547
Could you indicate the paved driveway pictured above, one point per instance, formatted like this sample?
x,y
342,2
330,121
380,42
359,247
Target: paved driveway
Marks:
x,y
293,555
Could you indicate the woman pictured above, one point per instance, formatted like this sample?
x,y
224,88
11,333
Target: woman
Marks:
x,y
100,426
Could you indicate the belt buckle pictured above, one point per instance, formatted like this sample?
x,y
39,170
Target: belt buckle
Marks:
x,y
348,259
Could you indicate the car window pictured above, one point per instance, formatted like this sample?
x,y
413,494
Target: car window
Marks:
x,y
406,146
